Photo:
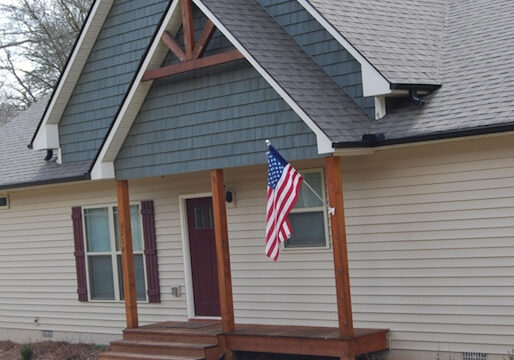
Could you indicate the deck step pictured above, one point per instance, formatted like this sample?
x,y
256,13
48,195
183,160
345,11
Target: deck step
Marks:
x,y
168,336
113,355
164,348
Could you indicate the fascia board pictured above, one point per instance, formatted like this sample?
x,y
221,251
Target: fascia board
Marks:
x,y
103,167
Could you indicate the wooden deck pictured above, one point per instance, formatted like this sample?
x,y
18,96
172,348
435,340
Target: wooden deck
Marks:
x,y
305,340
204,340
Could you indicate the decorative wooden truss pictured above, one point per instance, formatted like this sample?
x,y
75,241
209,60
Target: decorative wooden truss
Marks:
x,y
191,58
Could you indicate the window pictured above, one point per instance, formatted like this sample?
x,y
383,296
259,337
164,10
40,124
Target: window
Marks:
x,y
103,253
309,218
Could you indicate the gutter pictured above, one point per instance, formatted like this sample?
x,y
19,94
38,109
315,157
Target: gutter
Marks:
x,y
426,87
86,176
378,139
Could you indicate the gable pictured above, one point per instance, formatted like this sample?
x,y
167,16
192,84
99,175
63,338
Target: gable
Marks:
x,y
217,117
107,76
326,51
315,98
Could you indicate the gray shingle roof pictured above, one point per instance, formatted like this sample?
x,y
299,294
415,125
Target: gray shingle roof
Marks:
x,y
474,62
311,88
21,166
477,69
401,38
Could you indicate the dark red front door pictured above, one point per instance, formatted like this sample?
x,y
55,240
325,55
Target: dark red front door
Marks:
x,y
203,256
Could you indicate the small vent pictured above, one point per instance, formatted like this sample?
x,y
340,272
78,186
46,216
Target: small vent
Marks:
x,y
474,356
4,201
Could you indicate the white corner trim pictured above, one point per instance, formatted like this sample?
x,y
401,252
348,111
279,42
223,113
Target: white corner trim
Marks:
x,y
71,75
104,170
373,83
135,97
380,107
324,143
59,156
48,138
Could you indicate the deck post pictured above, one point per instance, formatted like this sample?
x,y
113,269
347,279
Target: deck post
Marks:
x,y
222,250
342,276
222,254
127,255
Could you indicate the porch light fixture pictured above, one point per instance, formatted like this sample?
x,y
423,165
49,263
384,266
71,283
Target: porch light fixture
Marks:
x,y
229,196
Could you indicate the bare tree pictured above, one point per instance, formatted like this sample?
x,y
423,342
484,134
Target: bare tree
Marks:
x,y
36,38
7,112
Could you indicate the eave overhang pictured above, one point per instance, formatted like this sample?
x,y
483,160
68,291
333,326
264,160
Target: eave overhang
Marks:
x,y
374,140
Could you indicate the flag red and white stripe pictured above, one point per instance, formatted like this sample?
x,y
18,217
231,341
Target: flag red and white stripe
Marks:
x,y
283,186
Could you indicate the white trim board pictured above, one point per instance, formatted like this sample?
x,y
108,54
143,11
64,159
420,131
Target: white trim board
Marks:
x,y
103,167
373,82
47,136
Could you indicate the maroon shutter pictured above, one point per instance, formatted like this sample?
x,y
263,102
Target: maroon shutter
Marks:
x,y
152,270
80,256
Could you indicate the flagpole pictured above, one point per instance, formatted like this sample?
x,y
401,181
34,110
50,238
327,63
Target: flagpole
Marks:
x,y
331,210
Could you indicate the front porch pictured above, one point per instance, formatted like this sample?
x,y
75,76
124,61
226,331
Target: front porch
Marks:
x,y
343,342
207,340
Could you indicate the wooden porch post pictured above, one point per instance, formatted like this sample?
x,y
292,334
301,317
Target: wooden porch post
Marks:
x,y
222,250
127,255
335,195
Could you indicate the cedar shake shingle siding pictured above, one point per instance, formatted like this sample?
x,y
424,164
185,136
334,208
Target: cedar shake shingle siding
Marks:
x,y
214,118
324,49
107,75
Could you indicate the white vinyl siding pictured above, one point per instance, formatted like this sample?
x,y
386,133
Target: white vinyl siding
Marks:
x,y
430,237
430,232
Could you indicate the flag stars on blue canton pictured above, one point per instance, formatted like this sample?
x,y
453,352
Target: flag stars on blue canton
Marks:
x,y
275,170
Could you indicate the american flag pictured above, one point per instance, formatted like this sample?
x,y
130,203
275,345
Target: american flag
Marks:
x,y
283,186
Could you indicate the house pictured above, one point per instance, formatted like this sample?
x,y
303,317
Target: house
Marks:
x,y
165,104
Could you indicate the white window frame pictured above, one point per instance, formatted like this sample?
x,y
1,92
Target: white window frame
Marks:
x,y
8,204
114,253
323,208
